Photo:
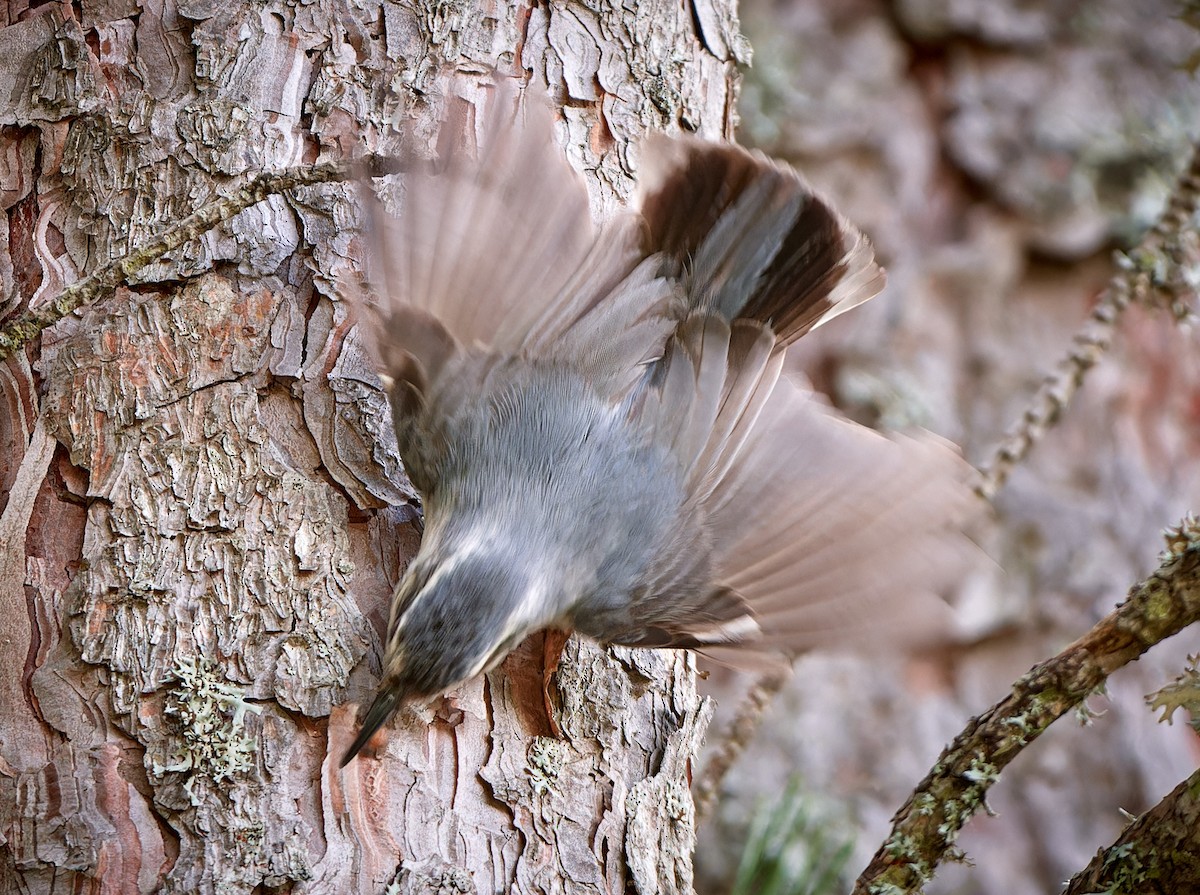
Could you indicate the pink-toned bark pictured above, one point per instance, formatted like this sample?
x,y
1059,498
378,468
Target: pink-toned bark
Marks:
x,y
197,546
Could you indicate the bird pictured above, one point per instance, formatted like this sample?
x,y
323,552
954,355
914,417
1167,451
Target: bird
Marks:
x,y
598,422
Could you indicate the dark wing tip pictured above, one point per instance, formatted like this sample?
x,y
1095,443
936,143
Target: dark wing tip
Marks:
x,y
753,239
687,184
382,708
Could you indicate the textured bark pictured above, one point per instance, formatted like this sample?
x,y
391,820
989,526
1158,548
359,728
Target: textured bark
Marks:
x,y
203,509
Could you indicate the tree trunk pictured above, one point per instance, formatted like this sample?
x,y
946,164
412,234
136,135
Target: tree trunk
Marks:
x,y
203,509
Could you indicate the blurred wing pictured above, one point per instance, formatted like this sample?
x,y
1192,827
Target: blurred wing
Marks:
x,y
835,534
493,247
817,531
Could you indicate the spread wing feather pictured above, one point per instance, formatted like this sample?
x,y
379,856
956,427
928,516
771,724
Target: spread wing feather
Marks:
x,y
864,529
819,531
492,248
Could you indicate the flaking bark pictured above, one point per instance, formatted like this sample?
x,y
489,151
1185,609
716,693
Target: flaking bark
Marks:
x,y
193,579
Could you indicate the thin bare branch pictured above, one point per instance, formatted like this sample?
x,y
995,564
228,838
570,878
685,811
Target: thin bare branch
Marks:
x,y
925,828
735,738
1152,274
119,271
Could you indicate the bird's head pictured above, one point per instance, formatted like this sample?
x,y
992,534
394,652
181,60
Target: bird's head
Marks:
x,y
456,614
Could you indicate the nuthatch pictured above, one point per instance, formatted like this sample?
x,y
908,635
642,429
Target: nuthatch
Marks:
x,y
597,423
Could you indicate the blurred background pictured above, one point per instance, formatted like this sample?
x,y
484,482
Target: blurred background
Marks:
x,y
996,151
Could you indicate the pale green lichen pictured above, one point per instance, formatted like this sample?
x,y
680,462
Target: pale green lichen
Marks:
x,y
1020,723
982,773
546,756
1128,870
1181,693
1084,713
905,850
1181,538
211,744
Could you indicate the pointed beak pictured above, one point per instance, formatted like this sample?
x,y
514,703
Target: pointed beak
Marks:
x,y
381,709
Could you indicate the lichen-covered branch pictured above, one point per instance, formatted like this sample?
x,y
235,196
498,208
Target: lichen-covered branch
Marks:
x,y
926,826
1155,273
1158,852
119,271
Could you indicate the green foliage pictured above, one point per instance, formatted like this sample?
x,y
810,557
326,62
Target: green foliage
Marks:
x,y
792,849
